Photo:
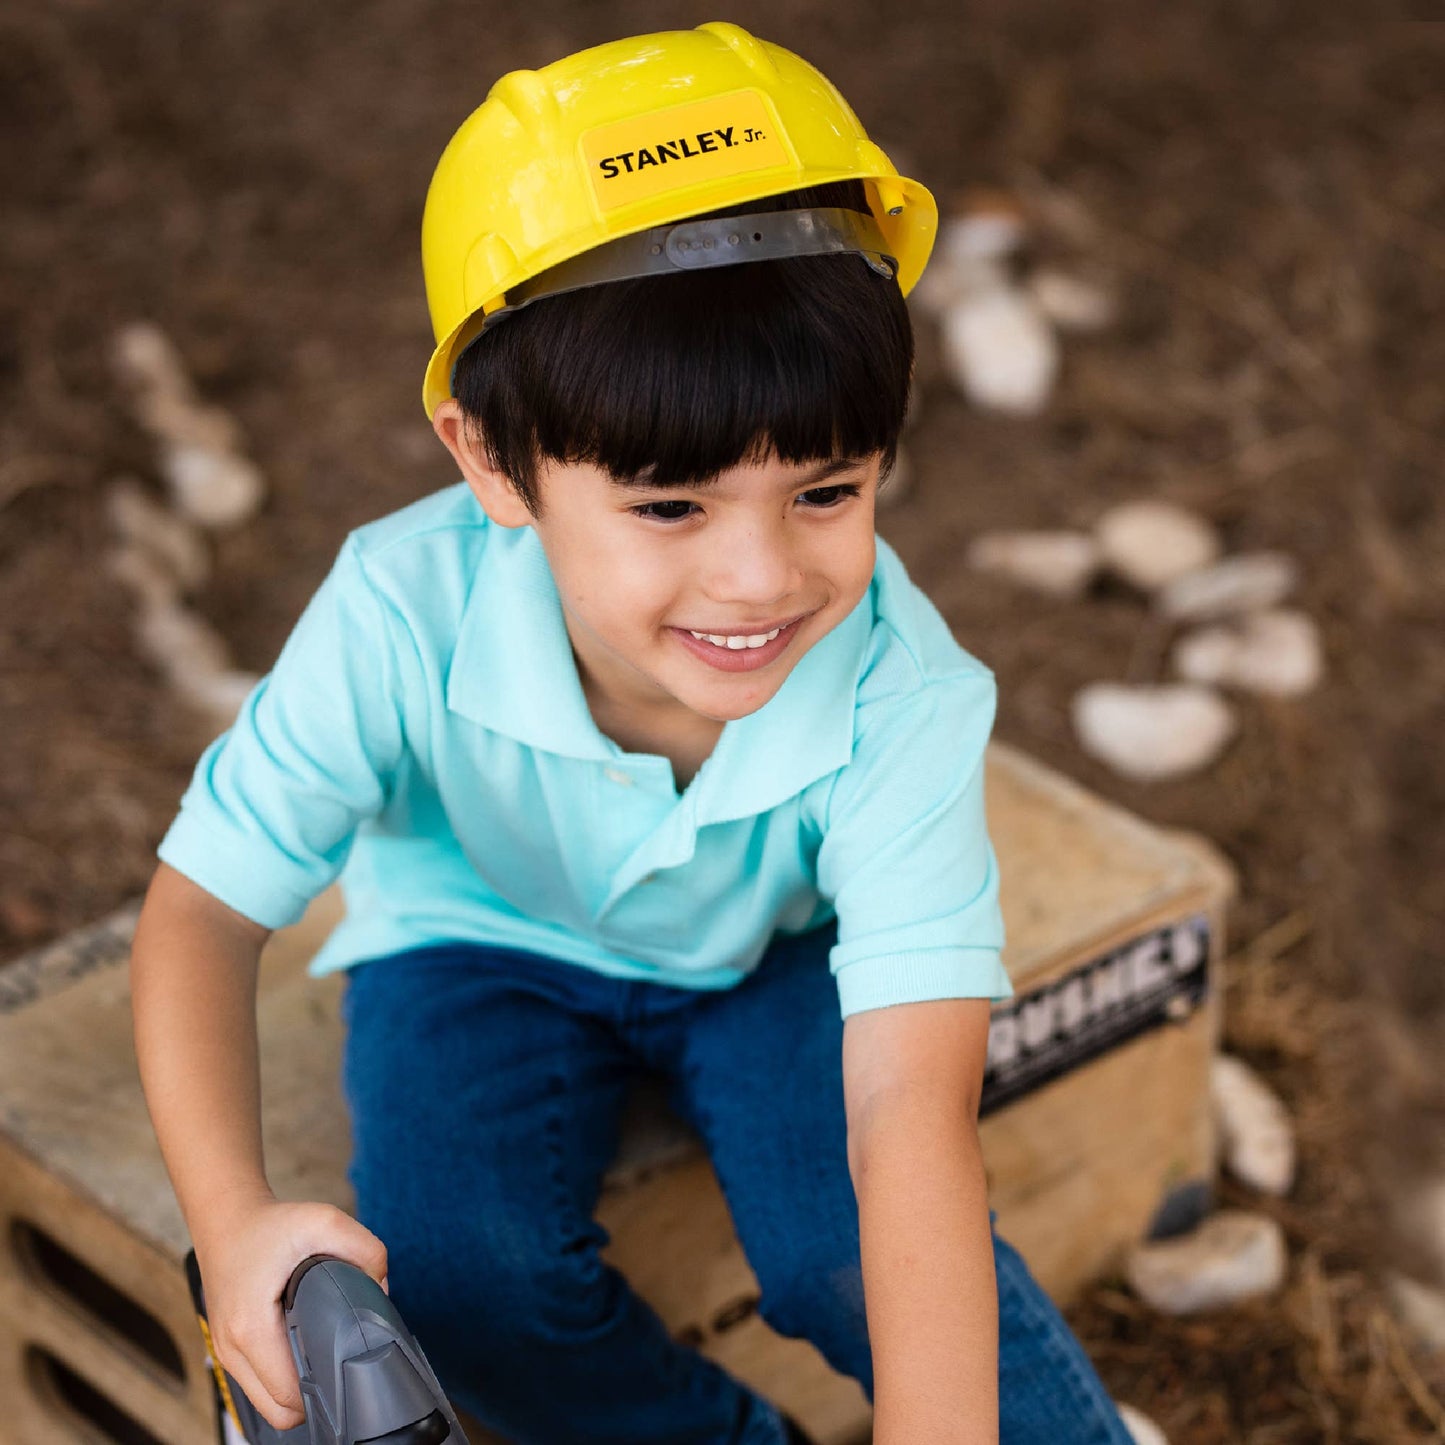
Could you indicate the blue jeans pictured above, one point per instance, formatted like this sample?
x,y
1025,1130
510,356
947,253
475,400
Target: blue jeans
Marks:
x,y
485,1087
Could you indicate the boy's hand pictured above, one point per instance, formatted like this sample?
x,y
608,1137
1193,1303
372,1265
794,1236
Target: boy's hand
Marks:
x,y
246,1260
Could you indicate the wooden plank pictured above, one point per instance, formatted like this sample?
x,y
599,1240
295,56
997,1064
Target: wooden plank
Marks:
x,y
150,1365
1078,874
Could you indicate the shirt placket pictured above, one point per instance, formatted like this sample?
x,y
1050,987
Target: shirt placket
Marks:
x,y
643,786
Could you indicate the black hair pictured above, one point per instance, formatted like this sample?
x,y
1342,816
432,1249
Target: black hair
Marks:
x,y
678,378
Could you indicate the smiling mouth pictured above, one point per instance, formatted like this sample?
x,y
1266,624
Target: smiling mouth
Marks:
x,y
741,651
737,642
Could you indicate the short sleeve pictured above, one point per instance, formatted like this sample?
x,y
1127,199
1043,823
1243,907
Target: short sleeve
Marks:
x,y
269,817
905,855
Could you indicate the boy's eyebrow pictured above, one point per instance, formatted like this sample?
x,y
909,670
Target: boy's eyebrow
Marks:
x,y
820,473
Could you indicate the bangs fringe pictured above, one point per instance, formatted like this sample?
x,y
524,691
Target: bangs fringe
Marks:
x,y
674,379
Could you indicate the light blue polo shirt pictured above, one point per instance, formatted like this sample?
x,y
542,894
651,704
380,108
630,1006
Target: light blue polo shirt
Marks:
x,y
424,735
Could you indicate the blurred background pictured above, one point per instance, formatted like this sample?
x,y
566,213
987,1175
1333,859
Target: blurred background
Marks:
x,y
1202,247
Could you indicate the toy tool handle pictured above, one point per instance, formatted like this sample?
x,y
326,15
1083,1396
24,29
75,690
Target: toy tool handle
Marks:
x,y
364,1379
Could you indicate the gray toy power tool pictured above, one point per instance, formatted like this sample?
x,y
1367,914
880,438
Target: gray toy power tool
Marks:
x,y
364,1379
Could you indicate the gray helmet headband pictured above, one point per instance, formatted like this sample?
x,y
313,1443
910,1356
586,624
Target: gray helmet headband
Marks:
x,y
702,245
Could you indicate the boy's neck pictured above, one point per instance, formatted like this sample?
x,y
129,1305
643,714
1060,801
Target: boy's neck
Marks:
x,y
686,739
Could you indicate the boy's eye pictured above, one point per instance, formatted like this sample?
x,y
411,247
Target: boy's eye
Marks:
x,y
822,497
667,511
818,499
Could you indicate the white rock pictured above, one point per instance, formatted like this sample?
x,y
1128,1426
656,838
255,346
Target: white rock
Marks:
x,y
183,646
1251,582
1272,652
212,488
1142,1430
1420,1218
899,482
1153,543
1058,563
949,280
180,642
147,360
1421,1307
984,232
217,694
149,580
143,522
194,659
1232,1256
179,422
1070,302
211,483
1151,732
1254,1126
164,395
1000,351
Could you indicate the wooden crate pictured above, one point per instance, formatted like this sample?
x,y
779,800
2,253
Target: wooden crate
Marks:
x,y
1097,1127
1097,1099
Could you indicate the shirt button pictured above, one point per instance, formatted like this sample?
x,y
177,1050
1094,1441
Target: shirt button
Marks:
x,y
616,775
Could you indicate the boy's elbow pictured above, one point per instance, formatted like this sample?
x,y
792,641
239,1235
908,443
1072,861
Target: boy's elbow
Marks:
x,y
904,1125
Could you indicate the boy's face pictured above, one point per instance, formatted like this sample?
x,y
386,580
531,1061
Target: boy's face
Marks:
x,y
647,575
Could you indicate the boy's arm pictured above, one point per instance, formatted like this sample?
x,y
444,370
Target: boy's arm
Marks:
x,y
193,992
267,823
912,1078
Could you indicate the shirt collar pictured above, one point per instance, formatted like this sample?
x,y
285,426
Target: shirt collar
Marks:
x,y
513,672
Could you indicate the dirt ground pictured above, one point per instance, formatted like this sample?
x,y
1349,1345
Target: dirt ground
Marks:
x,y
1262,186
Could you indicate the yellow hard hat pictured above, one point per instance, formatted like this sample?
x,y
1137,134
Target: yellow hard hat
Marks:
x,y
636,135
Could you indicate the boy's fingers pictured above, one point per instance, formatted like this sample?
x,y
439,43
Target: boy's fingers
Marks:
x,y
377,1262
372,1249
362,1247
267,1358
280,1417
255,1349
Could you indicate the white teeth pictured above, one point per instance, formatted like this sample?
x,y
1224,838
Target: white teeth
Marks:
x,y
736,644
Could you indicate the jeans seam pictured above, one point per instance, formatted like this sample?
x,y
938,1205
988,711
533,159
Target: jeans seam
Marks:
x,y
1045,1328
565,1213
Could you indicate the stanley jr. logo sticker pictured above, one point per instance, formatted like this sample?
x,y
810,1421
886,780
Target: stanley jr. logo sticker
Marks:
x,y
705,140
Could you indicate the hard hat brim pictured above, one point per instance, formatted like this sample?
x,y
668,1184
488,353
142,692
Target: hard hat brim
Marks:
x,y
907,227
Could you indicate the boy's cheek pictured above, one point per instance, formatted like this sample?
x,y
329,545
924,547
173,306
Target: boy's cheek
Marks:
x,y
860,574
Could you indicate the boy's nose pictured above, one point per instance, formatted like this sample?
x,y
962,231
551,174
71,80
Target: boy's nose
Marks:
x,y
753,570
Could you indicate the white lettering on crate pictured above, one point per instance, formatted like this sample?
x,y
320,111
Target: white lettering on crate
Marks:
x,y
1158,979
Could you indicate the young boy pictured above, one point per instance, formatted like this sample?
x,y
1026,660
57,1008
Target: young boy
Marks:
x,y
638,751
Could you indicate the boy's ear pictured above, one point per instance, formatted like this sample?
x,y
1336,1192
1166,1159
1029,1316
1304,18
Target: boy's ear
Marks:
x,y
493,489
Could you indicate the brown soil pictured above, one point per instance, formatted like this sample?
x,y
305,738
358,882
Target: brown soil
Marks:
x,y
1262,184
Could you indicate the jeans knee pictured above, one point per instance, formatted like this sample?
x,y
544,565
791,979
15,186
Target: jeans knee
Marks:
x,y
814,1299
503,1292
